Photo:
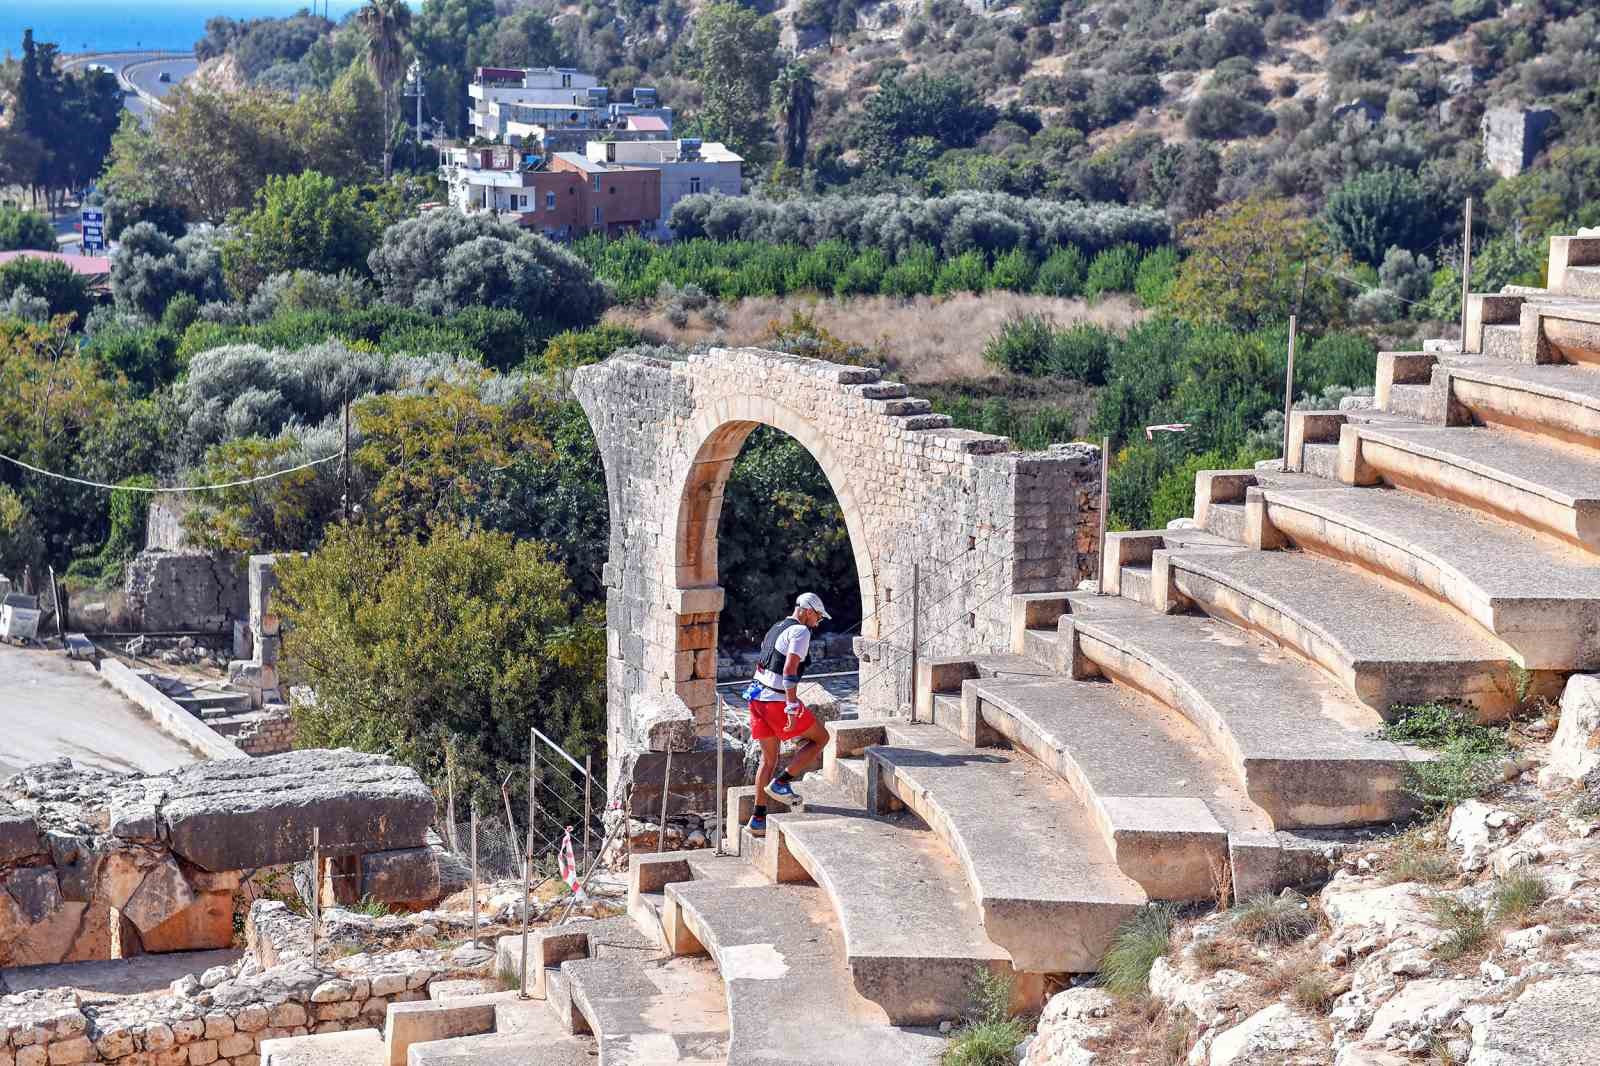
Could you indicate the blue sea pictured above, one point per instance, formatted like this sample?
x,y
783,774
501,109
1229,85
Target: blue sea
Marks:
x,y
160,25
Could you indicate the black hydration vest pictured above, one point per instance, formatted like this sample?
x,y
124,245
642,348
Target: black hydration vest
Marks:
x,y
771,658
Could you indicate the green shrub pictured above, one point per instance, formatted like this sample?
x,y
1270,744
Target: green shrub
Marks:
x,y
25,229
1112,270
1013,271
817,268
55,282
1023,344
1062,273
1082,352
1156,274
913,274
575,348
863,275
967,272
1138,943
1474,10
1467,755
1335,359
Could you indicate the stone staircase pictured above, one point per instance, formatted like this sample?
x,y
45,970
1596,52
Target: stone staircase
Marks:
x,y
1200,727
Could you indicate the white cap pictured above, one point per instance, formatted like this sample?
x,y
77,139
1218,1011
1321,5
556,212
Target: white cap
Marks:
x,y
812,602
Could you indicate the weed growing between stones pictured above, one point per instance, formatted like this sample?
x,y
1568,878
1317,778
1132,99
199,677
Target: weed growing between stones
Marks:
x,y
1140,941
1468,754
1466,927
1313,992
1215,953
1280,920
1419,855
372,908
1518,895
990,1033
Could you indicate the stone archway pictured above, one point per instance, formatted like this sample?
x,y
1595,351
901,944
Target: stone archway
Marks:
x,y
982,519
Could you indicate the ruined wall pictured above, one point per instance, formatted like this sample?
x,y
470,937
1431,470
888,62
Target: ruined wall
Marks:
x,y
186,590
83,851
982,520
1513,136
220,1018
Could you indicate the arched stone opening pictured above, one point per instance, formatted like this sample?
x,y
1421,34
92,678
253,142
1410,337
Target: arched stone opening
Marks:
x,y
699,596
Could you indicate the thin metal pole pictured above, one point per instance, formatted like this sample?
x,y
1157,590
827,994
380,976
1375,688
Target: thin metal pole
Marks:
x,y
916,630
344,463
527,864
1288,389
474,873
316,888
588,803
1466,270
666,794
722,800
1100,556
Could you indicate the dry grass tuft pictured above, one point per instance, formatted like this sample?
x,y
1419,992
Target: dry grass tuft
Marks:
x,y
925,338
1223,952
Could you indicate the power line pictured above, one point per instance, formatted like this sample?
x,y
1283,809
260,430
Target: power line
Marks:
x,y
172,488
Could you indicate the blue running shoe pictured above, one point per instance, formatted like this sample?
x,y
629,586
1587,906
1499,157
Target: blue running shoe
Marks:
x,y
758,825
784,792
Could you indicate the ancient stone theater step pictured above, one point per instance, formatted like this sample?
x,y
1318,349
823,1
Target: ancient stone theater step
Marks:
x,y
1558,402
1540,598
525,1032
354,1047
657,1011
912,935
1385,644
1162,798
791,997
1050,891
1513,476
1301,746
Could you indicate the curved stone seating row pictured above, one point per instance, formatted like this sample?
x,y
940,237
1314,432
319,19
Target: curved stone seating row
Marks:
x,y
791,998
1384,644
1050,892
1541,599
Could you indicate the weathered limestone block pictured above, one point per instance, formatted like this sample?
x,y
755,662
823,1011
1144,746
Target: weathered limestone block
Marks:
x,y
1070,1026
1553,1022
75,932
661,723
1575,749
19,835
163,893
36,891
244,814
407,875
204,924
1265,1036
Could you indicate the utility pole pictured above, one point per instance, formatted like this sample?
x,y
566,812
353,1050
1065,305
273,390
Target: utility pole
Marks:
x,y
1105,503
916,632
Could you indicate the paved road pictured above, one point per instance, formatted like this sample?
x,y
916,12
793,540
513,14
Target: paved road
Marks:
x,y
50,707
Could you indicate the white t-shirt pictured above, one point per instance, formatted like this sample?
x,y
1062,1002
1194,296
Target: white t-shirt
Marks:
x,y
796,640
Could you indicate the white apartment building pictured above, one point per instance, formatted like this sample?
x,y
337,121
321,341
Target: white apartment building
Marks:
x,y
493,89
688,166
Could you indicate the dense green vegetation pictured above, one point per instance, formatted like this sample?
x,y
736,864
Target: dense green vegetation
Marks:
x,y
637,269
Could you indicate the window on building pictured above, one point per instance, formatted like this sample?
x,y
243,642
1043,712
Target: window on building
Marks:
x,y
549,201
522,200
694,186
598,217
597,183
566,81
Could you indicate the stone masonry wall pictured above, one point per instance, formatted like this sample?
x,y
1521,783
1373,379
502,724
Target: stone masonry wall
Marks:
x,y
181,590
982,520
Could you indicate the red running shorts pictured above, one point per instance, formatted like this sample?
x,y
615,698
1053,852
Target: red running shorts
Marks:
x,y
768,720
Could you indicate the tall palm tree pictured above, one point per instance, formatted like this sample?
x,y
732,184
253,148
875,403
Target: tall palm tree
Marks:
x,y
387,24
794,97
